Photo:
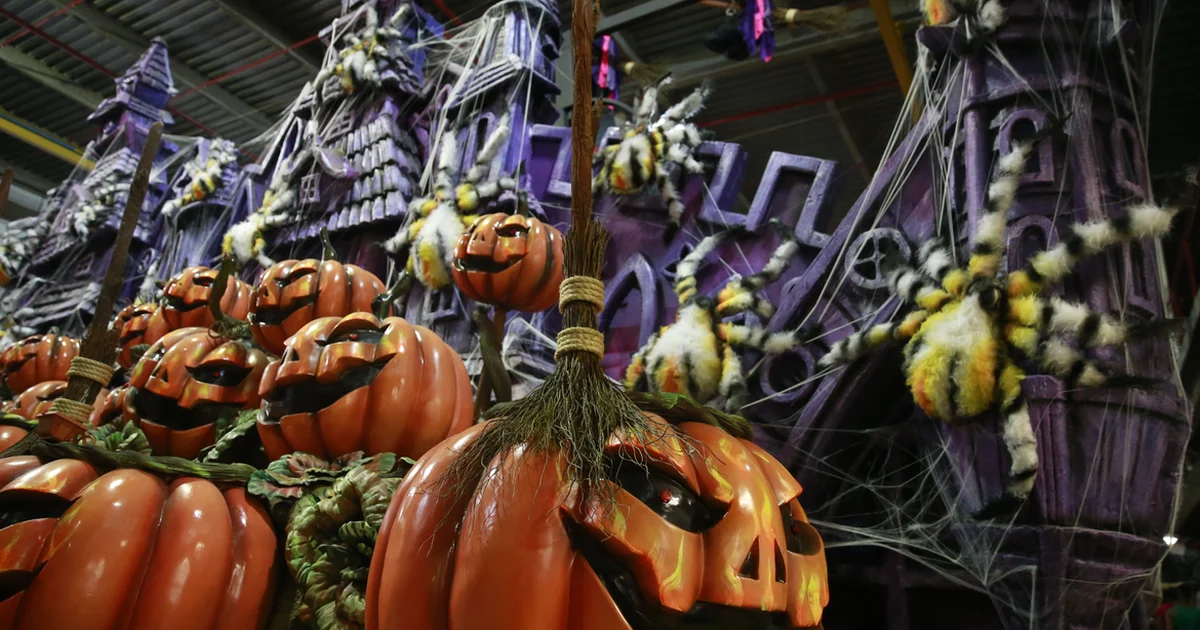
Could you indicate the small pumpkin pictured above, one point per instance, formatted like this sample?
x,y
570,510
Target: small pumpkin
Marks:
x,y
292,293
711,530
37,359
510,261
112,405
358,383
129,550
36,400
185,298
139,323
189,385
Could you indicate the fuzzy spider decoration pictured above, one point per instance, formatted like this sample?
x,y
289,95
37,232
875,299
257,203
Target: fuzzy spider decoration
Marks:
x,y
983,17
437,222
647,151
696,355
357,63
206,179
958,341
103,198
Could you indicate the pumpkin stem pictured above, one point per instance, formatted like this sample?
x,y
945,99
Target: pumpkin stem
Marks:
x,y
328,252
224,325
383,302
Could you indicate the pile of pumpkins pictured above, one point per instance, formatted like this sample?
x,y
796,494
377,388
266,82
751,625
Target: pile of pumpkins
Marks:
x,y
711,532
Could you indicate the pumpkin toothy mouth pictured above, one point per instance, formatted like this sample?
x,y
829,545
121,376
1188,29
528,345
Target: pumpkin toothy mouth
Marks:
x,y
622,586
275,315
166,411
309,396
485,264
176,303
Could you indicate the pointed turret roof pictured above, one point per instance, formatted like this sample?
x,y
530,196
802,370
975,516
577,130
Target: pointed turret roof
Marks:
x,y
143,89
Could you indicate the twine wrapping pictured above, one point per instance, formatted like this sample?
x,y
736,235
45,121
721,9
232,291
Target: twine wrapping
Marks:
x,y
581,289
92,370
580,339
72,409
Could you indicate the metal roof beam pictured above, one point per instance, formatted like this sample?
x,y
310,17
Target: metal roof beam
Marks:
x,y
253,20
643,11
130,40
49,77
39,138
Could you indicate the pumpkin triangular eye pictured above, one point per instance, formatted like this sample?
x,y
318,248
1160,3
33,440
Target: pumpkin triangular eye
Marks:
x,y
667,497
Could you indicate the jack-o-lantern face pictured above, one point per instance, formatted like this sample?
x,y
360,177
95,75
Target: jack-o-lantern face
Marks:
x,y
187,383
37,359
510,261
36,400
356,383
185,298
710,535
292,293
139,324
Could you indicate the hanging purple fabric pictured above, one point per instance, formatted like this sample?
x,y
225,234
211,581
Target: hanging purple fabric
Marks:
x,y
757,29
606,68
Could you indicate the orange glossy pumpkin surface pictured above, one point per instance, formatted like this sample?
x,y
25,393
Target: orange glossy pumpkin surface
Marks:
x,y
140,324
185,298
711,533
356,383
133,552
37,359
510,261
292,293
112,405
186,382
36,400
10,435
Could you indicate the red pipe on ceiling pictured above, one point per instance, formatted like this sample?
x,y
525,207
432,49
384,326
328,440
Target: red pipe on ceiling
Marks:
x,y
43,21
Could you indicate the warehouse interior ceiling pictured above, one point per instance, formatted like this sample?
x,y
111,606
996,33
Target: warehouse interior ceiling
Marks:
x,y
237,65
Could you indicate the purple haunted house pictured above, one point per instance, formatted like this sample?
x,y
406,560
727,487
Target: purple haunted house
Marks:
x,y
71,262
505,72
893,492
347,159
196,209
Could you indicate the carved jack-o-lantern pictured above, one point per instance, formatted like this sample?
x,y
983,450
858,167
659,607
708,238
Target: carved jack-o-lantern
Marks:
x,y
142,323
292,293
186,298
356,383
187,384
710,535
37,359
130,550
36,400
510,261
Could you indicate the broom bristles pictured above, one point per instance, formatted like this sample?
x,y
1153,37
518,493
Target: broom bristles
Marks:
x,y
827,19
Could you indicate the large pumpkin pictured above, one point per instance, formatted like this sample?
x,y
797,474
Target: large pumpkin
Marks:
x,y
511,261
188,383
37,359
710,535
36,400
185,298
356,383
141,323
292,293
126,550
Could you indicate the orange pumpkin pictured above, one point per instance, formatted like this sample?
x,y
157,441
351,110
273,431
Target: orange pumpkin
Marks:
x,y
37,359
141,323
111,405
292,293
126,550
185,298
10,435
712,530
356,383
510,261
187,383
36,400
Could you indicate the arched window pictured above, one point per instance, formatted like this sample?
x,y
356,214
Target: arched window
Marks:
x,y
1027,237
1023,123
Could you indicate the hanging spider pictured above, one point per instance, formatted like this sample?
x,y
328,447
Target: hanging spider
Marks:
x,y
103,198
357,64
206,179
696,355
983,17
437,221
958,340
648,149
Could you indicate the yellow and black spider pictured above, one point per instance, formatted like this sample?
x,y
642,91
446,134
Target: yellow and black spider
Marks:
x,y
647,150
956,355
437,221
696,355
